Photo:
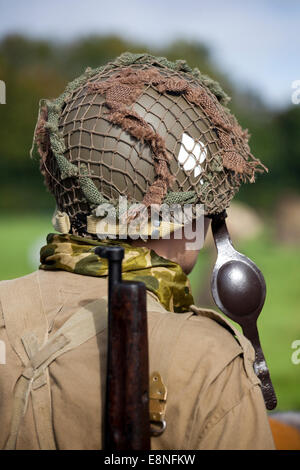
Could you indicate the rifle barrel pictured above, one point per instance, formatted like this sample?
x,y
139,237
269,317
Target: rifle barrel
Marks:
x,y
127,387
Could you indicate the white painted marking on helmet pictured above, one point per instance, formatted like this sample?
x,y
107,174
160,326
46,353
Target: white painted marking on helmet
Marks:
x,y
191,154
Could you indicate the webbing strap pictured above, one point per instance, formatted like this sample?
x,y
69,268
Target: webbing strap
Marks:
x,y
27,330
41,401
23,312
25,336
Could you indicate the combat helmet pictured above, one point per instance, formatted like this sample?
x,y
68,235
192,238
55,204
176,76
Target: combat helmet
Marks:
x,y
146,128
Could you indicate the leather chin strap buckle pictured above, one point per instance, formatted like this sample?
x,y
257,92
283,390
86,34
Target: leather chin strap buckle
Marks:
x,y
239,290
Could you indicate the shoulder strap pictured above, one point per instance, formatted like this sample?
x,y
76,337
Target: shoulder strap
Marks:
x,y
29,339
24,317
23,312
245,344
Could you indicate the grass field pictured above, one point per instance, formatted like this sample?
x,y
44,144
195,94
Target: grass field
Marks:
x,y
279,324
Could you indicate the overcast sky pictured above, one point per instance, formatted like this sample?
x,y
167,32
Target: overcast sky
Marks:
x,y
256,42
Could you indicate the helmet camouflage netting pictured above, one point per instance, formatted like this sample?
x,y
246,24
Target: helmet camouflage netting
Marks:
x,y
143,127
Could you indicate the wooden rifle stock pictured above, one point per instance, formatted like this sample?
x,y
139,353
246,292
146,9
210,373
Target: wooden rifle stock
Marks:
x,y
126,425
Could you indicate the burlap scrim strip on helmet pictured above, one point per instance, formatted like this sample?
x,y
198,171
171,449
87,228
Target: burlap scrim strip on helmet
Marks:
x,y
122,90
42,140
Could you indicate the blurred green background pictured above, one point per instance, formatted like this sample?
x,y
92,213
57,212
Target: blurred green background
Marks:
x,y
35,68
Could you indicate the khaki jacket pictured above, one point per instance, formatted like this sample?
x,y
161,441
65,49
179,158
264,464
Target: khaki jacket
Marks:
x,y
214,399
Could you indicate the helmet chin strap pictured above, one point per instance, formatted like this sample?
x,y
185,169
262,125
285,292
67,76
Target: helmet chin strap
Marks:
x,y
239,290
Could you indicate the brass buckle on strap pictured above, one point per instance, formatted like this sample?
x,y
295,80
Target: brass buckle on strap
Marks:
x,y
157,404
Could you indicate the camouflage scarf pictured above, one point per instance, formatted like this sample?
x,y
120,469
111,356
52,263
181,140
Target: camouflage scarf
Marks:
x,y
162,277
